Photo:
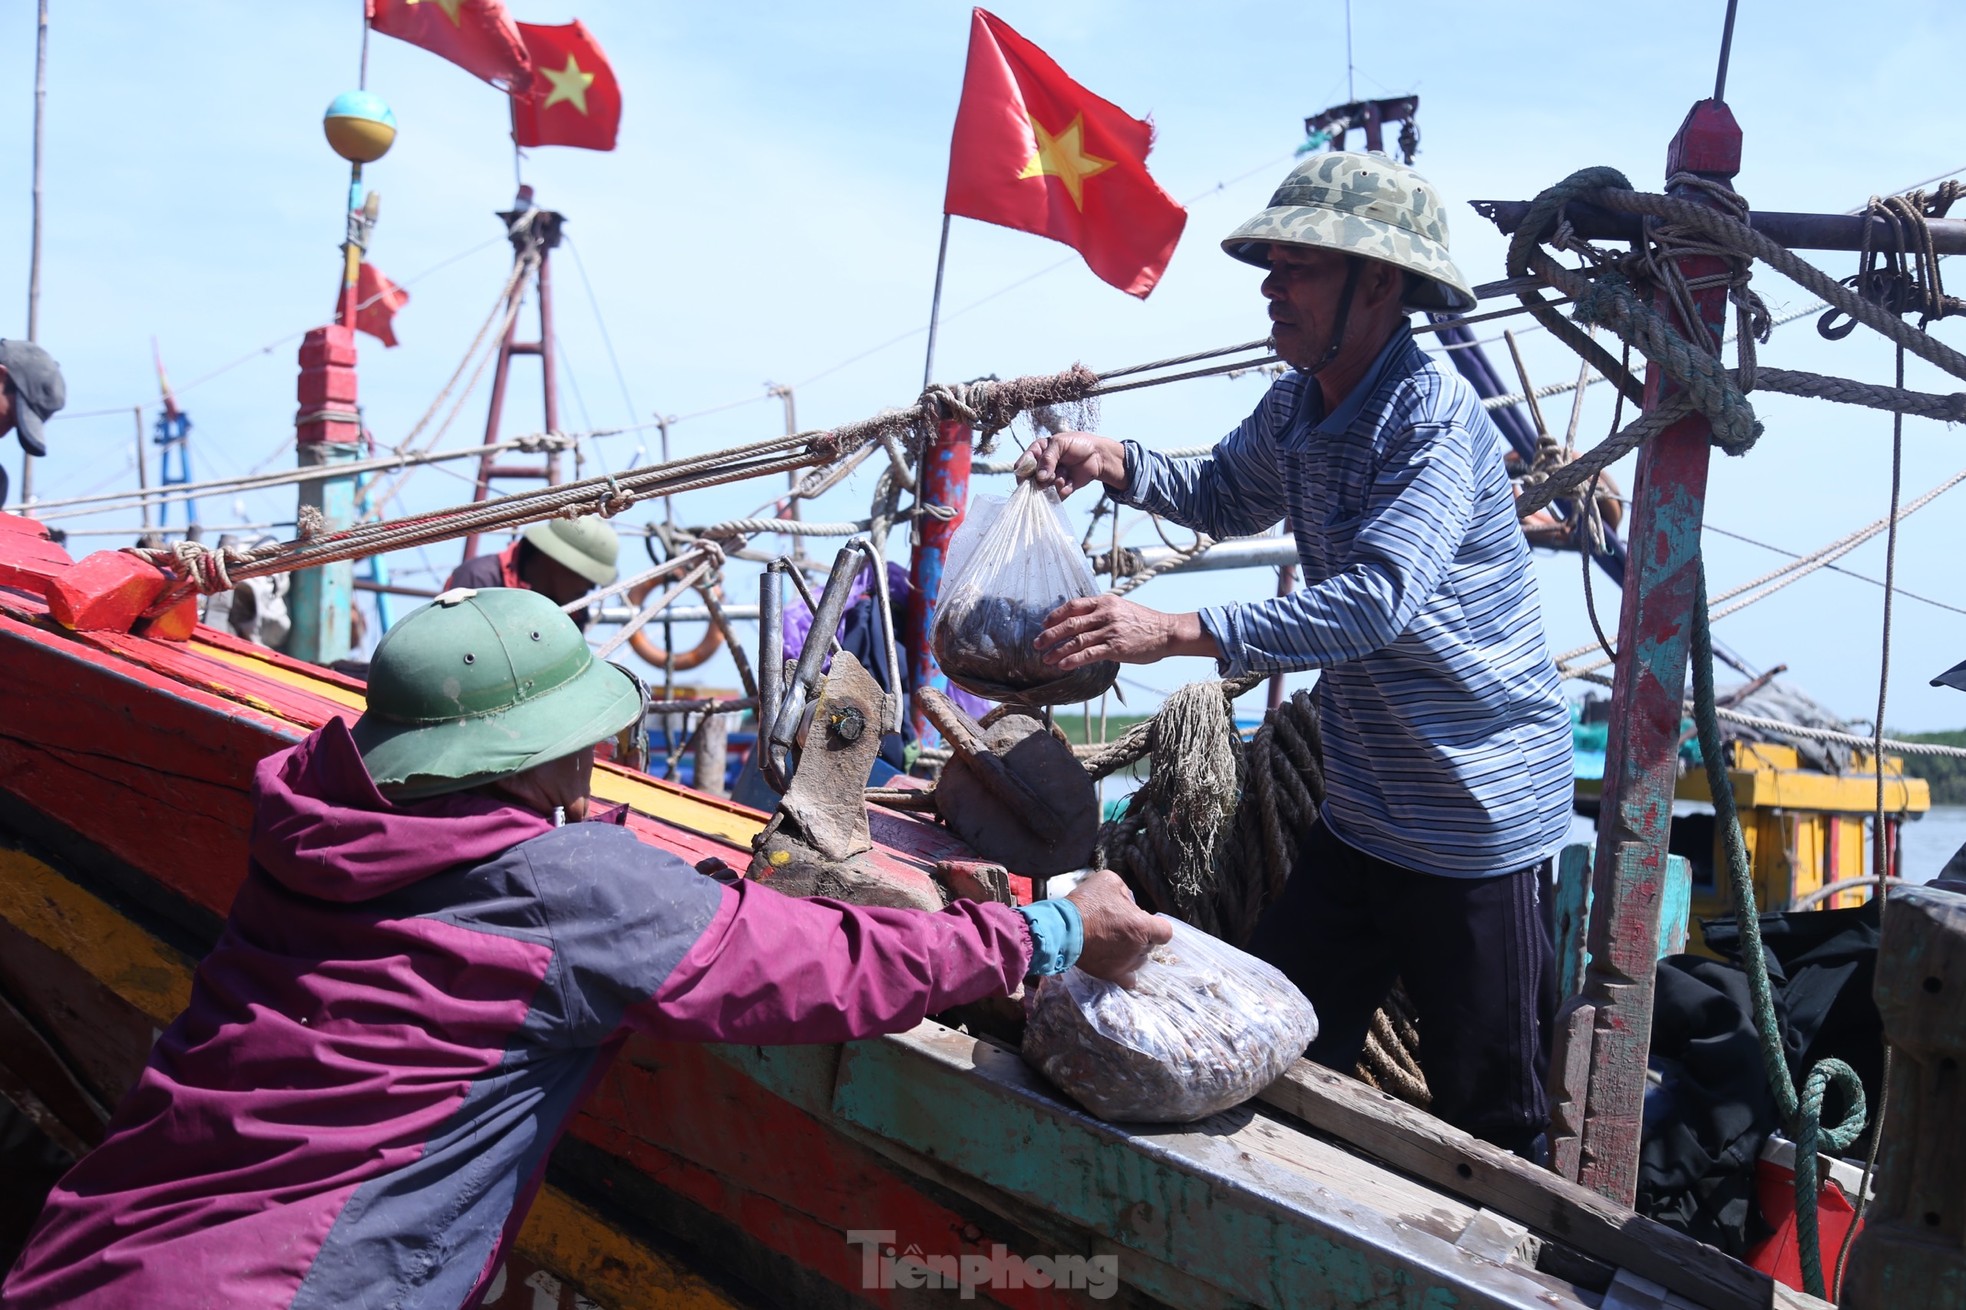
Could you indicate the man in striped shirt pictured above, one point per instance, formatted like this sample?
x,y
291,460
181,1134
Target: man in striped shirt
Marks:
x,y
1446,736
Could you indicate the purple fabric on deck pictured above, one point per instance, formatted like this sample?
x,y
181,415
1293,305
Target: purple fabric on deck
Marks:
x,y
798,624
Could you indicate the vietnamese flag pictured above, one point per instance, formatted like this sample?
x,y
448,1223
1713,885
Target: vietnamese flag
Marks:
x,y
1036,151
376,301
476,35
575,100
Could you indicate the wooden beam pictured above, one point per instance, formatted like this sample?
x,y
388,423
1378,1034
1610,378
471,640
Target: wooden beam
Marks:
x,y
1912,1249
1196,1198
1607,1028
1415,1141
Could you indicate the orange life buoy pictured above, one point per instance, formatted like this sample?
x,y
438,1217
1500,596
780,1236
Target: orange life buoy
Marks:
x,y
645,645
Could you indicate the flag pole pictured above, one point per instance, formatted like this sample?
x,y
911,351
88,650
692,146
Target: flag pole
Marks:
x,y
34,241
935,305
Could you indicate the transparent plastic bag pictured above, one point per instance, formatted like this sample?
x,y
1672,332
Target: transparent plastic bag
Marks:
x,y
1011,564
1206,1028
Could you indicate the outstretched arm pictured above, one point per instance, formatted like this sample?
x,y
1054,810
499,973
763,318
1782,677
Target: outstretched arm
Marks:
x,y
1234,491
642,939
1412,526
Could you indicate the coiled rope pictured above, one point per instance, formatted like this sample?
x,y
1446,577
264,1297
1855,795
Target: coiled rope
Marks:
x,y
1608,296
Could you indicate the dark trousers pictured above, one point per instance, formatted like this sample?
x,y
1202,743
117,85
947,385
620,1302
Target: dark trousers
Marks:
x,y
1475,958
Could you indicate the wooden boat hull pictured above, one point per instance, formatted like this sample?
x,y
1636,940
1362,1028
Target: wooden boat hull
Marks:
x,y
886,1172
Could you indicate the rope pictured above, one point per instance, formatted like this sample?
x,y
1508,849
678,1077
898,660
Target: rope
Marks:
x,y
785,527
1609,298
1212,835
1184,555
1744,239
79,506
1802,1114
1785,575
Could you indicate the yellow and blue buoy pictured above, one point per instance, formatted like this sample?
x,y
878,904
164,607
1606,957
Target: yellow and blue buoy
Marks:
x,y
360,126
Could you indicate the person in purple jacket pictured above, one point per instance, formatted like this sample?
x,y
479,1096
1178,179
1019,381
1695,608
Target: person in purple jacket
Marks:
x,y
428,968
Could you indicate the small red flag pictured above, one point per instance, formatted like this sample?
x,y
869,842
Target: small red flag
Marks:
x,y
575,100
376,301
1036,151
476,35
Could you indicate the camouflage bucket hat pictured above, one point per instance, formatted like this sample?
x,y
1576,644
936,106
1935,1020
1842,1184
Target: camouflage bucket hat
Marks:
x,y
1366,205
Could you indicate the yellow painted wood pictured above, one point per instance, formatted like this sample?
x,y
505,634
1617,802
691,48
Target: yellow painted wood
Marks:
x,y
684,810
607,1265
61,916
321,687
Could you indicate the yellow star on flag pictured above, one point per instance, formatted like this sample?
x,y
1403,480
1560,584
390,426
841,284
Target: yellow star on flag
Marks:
x,y
1063,157
450,10
569,85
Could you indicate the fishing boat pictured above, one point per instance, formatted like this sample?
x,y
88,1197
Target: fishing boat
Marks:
x,y
935,1162
708,1176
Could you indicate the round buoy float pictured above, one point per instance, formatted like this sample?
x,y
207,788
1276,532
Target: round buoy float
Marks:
x,y
360,126
644,644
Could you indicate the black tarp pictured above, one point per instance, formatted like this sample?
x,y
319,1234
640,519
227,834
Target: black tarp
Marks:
x,y
1710,1109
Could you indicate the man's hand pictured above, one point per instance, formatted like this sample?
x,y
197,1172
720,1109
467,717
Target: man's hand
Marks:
x,y
1110,627
1067,461
1118,933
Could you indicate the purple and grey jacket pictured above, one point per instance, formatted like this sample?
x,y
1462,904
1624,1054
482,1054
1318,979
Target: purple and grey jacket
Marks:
x,y
407,1004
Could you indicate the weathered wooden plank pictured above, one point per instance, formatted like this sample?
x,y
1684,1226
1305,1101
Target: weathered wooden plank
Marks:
x,y
1186,1198
578,1244
1912,1250
1661,581
651,1111
1417,1142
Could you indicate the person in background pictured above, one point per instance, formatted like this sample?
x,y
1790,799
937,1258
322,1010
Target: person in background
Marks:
x,y
435,954
562,559
31,390
1446,735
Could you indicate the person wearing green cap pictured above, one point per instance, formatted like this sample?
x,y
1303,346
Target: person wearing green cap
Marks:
x,y
31,390
1446,735
430,964
562,559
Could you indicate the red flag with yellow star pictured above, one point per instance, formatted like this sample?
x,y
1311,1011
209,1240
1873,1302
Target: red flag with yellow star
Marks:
x,y
1036,151
476,35
575,100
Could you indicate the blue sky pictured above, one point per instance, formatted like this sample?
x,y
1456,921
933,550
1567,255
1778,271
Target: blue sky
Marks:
x,y
773,209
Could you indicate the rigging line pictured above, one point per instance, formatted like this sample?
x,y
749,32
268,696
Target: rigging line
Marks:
x,y
1788,573
1880,838
1726,52
270,346
1838,568
602,323
1007,288
1351,91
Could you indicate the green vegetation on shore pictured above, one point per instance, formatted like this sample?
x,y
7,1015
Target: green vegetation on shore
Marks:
x,y
1945,774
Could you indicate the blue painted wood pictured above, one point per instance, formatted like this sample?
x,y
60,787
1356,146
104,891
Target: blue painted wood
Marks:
x,y
1573,913
1193,1199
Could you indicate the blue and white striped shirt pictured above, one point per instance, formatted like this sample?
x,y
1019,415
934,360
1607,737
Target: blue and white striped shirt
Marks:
x,y
1446,735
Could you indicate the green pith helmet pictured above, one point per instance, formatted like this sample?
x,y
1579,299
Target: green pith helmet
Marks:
x,y
587,545
1359,204
480,685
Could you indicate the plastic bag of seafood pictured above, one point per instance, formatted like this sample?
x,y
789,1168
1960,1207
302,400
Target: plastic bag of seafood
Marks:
x,y
1011,563
1205,1028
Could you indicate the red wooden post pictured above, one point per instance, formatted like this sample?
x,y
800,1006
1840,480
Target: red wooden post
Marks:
x,y
1605,1033
945,481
